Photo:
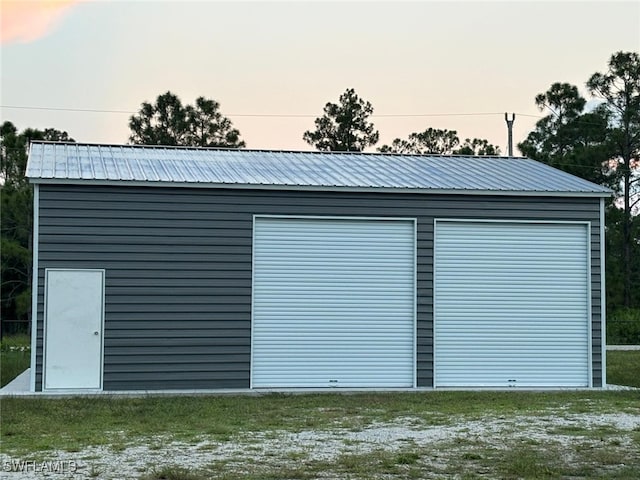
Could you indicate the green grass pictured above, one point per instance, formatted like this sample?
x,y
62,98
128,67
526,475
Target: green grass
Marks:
x,y
173,473
15,356
517,461
36,424
623,367
32,427
520,460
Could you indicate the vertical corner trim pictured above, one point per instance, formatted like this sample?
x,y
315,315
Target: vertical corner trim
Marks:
x,y
589,307
433,297
253,297
34,287
603,303
415,302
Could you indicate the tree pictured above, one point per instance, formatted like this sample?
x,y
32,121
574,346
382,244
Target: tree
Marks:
x,y
164,123
53,135
345,126
619,87
13,158
477,146
431,141
169,122
603,146
17,217
439,142
569,138
209,128
14,150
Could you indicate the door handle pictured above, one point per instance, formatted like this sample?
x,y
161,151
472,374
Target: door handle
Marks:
x,y
96,333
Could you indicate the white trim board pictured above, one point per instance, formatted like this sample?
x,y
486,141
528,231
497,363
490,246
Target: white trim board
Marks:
x,y
603,295
34,288
316,188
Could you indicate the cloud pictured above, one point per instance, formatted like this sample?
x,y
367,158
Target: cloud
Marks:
x,y
24,21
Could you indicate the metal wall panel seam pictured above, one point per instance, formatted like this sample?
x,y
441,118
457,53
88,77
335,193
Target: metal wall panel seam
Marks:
x,y
102,162
66,165
127,165
34,288
161,169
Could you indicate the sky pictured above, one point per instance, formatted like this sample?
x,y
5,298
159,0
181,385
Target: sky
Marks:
x,y
272,66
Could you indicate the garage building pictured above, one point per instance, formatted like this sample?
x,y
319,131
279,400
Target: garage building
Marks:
x,y
160,268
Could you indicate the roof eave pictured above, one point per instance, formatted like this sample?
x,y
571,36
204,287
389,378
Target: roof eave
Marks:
x,y
326,188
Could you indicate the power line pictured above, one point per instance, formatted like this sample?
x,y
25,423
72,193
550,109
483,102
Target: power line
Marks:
x,y
436,114
267,115
529,115
92,110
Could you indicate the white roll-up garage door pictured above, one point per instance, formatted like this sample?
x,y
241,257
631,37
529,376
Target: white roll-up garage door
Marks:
x,y
511,304
333,303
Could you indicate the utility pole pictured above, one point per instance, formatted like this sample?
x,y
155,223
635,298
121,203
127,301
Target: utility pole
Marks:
x,y
510,130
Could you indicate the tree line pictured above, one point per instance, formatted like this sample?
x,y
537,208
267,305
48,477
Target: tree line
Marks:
x,y
344,127
600,144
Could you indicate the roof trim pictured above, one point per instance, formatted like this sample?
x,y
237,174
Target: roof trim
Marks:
x,y
321,188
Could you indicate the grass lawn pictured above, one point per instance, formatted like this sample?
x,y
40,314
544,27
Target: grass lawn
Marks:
x,y
623,367
365,435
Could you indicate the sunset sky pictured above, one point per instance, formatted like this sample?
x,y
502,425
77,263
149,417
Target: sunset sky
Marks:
x,y
421,64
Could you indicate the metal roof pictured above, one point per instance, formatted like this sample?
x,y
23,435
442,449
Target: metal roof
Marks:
x,y
51,162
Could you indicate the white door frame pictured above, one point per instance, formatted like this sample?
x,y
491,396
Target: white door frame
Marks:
x,y
44,334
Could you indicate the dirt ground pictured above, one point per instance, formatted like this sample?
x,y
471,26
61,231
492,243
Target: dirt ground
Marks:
x,y
439,447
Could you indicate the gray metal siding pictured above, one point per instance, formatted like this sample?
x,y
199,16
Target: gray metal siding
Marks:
x,y
178,269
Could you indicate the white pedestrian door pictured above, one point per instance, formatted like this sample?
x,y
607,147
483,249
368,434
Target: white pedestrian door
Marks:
x,y
73,329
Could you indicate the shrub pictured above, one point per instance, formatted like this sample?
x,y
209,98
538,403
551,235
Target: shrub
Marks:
x,y
623,327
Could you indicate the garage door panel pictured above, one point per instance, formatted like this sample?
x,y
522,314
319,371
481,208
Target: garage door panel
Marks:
x,y
511,304
333,303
